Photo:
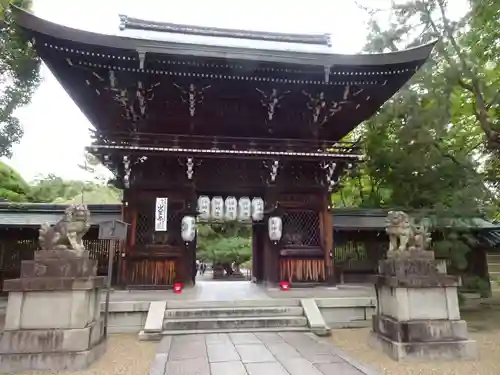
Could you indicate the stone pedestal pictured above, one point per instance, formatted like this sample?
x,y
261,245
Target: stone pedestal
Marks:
x,y
53,315
418,315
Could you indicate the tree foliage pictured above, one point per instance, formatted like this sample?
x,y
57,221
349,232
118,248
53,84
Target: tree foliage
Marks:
x,y
19,75
427,146
224,244
53,189
13,188
434,145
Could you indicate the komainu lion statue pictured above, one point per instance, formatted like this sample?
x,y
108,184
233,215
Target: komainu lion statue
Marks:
x,y
404,234
67,233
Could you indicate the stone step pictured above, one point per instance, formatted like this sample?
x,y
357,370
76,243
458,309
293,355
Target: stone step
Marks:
x,y
239,312
281,302
234,323
144,336
226,330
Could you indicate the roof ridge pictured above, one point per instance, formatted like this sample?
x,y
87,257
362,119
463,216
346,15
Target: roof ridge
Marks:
x,y
127,22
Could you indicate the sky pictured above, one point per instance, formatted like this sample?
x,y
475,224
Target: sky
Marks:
x,y
55,130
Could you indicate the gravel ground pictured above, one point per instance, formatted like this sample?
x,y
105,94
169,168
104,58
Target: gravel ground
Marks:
x,y
125,355
354,343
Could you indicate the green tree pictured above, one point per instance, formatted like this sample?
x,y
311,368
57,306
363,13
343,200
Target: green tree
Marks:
x,y
19,75
95,194
13,188
225,244
424,148
467,61
53,189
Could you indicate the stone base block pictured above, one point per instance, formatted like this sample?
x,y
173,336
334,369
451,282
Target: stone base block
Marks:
x,y
51,362
420,330
406,304
52,309
60,266
413,271
441,350
51,340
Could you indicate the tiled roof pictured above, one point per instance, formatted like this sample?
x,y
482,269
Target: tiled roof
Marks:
x,y
35,214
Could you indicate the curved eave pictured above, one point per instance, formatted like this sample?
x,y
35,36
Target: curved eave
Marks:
x,y
38,25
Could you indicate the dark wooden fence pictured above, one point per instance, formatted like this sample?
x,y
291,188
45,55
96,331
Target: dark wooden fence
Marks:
x,y
20,244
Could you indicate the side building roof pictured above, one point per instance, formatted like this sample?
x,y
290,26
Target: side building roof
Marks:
x,y
35,214
344,219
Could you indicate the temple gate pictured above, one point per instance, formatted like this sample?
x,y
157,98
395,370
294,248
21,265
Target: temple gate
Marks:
x,y
231,114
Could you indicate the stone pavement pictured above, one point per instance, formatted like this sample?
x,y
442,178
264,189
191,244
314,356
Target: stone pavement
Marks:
x,y
286,353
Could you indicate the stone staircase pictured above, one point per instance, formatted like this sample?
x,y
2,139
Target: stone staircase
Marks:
x,y
190,317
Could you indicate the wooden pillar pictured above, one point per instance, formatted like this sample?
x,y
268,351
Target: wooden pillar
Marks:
x,y
129,215
189,256
255,253
271,261
186,272
271,252
258,252
328,238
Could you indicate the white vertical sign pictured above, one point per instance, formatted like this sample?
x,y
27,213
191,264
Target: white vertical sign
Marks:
x,y
161,214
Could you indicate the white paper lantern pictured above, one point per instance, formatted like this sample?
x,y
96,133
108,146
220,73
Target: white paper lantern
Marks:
x,y
230,208
204,207
217,208
188,228
257,209
275,228
244,209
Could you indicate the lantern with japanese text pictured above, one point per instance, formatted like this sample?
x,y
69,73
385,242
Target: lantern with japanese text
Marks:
x,y
217,208
230,208
204,207
188,228
244,209
275,228
257,209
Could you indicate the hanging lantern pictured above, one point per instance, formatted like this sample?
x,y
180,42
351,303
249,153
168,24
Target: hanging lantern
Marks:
x,y
257,209
217,208
275,228
230,208
244,209
188,228
204,207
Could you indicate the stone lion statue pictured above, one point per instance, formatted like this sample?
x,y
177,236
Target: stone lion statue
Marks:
x,y
67,233
399,230
404,234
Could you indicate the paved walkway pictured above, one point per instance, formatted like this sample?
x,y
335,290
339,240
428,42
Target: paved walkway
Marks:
x,y
286,353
